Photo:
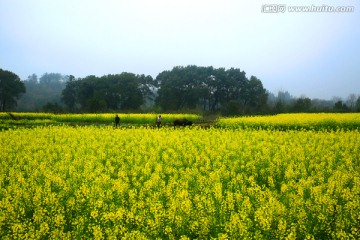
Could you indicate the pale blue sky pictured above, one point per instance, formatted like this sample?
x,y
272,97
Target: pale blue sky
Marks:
x,y
311,54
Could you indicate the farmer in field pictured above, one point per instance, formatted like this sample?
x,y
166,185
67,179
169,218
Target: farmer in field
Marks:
x,y
158,121
117,120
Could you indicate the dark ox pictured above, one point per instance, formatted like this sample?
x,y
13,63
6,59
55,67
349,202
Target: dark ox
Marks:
x,y
182,122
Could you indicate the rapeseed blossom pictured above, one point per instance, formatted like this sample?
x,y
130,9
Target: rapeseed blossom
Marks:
x,y
106,183
312,121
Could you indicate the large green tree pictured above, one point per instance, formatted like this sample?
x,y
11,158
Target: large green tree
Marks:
x,y
254,96
68,95
10,89
210,89
357,104
302,104
184,88
124,92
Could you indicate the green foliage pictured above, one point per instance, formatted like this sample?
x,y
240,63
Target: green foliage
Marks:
x,y
11,87
339,106
69,94
210,89
204,90
52,107
302,105
119,92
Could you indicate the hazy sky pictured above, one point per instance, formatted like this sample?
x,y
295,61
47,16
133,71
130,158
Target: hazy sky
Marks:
x,y
316,54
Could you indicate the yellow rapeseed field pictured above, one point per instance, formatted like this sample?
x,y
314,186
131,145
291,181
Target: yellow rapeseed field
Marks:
x,y
91,182
312,121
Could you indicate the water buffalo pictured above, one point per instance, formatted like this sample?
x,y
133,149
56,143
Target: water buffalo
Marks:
x,y
182,122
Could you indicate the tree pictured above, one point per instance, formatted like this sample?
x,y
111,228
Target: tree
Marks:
x,y
302,104
10,89
125,91
351,101
228,86
51,78
339,106
279,106
33,79
254,95
285,97
232,108
206,88
41,91
170,95
357,105
69,94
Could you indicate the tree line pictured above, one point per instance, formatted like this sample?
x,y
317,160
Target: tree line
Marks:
x,y
189,88
119,92
182,89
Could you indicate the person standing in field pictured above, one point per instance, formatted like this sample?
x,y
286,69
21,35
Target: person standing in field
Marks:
x,y
158,121
117,120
